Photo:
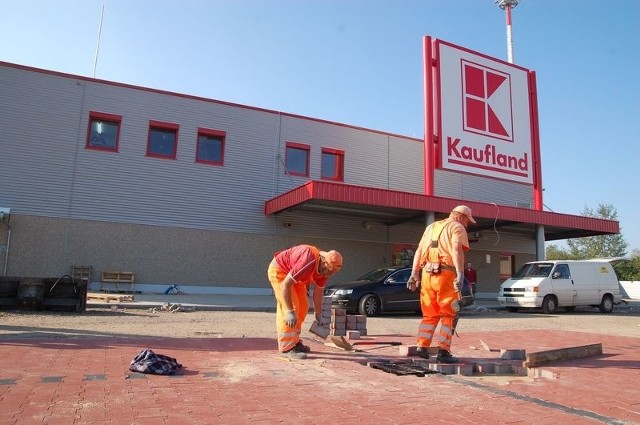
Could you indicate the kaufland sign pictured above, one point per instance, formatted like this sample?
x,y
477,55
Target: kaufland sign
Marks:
x,y
484,120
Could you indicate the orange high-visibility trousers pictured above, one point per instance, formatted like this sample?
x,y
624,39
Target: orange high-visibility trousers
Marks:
x,y
288,337
436,295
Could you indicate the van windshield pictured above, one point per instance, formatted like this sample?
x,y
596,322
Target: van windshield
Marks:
x,y
534,270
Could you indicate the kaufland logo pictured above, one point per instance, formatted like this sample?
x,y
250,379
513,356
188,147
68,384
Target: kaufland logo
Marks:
x,y
487,108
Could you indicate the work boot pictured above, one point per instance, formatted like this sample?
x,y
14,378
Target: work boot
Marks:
x,y
300,347
294,354
422,352
445,356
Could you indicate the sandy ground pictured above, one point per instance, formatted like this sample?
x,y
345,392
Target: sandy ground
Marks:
x,y
121,322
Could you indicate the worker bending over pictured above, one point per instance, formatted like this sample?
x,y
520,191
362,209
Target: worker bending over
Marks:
x,y
291,272
440,256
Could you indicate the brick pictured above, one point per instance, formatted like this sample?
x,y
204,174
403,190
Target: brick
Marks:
x,y
353,334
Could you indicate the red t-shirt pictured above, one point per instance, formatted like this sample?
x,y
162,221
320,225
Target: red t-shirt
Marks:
x,y
302,262
470,275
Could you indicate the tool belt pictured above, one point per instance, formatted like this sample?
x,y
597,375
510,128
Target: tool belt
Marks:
x,y
435,268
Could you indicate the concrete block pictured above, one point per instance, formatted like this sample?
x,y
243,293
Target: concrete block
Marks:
x,y
338,312
465,369
485,368
318,330
510,354
503,369
446,369
353,334
352,322
338,332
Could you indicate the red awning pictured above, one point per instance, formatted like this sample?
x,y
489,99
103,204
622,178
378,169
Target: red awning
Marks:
x,y
394,207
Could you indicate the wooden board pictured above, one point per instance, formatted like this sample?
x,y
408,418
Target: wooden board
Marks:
x,y
109,297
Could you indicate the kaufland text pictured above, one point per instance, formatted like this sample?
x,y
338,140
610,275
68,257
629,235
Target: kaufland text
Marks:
x,y
489,156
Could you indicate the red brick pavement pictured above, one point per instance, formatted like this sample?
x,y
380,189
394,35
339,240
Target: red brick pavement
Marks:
x,y
243,380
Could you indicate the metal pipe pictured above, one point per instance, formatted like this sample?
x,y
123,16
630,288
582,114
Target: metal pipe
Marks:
x,y
6,254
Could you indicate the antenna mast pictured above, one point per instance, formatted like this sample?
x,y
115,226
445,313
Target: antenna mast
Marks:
x,y
95,61
507,5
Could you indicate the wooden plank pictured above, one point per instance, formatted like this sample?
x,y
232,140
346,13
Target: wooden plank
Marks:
x,y
109,297
569,353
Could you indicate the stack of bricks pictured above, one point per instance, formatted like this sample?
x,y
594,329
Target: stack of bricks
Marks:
x,y
323,331
356,326
338,326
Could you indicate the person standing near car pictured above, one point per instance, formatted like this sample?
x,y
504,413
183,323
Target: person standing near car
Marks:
x,y
471,278
291,272
440,257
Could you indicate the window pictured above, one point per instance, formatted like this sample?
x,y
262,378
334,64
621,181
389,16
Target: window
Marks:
x,y
210,147
297,159
104,131
163,140
332,164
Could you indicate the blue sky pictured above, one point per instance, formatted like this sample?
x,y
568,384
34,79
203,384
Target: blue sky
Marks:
x,y
359,62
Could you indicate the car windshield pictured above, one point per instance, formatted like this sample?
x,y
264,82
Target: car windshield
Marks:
x,y
534,270
376,275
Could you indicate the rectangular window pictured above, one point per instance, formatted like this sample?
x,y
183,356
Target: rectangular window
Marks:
x,y
210,147
332,164
104,131
163,140
297,159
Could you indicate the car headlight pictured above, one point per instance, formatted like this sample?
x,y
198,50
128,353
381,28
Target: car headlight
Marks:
x,y
343,292
531,289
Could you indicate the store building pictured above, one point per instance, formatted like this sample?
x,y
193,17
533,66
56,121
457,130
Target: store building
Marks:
x,y
198,192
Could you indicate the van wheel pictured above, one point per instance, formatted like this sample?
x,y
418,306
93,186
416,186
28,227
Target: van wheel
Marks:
x,y
369,305
606,306
549,304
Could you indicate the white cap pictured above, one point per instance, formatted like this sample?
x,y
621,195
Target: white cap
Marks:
x,y
463,209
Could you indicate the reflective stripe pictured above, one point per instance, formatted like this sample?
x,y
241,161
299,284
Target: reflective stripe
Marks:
x,y
426,328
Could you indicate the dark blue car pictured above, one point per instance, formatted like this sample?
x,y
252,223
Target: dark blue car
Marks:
x,y
379,291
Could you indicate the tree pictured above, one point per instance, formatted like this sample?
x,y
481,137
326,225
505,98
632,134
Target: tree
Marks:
x,y
629,270
603,246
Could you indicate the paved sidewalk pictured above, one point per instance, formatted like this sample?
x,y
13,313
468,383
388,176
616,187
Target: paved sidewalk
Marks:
x,y
243,380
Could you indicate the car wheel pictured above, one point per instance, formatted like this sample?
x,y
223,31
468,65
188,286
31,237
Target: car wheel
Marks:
x,y
369,305
549,304
606,306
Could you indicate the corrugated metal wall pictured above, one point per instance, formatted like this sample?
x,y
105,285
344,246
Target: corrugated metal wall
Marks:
x,y
45,171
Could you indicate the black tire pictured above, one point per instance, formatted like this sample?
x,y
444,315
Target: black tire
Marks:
x,y
570,308
606,306
549,304
512,309
369,305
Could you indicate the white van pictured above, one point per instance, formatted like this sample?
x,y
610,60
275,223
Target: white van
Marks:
x,y
562,283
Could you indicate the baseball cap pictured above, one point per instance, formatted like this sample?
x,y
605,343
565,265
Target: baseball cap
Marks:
x,y
333,259
463,209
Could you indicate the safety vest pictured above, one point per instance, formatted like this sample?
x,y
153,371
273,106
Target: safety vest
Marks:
x,y
431,256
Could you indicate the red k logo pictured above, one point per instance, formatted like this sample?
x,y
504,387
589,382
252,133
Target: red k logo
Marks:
x,y
487,105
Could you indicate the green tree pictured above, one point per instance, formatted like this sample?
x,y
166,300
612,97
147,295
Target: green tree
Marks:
x,y
629,270
554,252
604,246
598,246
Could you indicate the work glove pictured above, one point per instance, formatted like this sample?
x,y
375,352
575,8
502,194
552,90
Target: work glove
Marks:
x,y
290,318
413,283
457,284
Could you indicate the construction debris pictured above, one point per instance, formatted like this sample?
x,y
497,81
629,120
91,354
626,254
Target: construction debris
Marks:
x,y
172,308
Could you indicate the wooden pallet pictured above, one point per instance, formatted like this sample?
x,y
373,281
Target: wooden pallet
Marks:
x,y
109,297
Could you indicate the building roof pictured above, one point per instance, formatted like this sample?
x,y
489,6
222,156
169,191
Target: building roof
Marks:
x,y
395,207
